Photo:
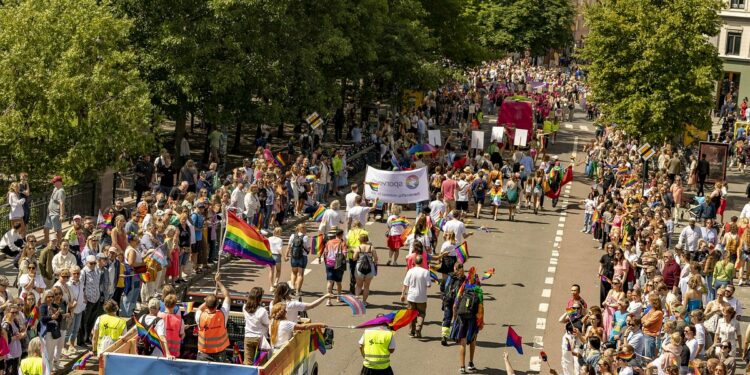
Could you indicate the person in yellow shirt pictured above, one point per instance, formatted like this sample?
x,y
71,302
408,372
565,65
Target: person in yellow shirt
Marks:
x,y
352,243
32,365
376,346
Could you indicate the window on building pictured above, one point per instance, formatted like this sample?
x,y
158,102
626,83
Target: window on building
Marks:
x,y
737,4
734,40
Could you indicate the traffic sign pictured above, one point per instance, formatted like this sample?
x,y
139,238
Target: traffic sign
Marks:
x,y
646,151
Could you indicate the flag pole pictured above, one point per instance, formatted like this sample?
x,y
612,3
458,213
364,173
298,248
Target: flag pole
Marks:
x,y
221,246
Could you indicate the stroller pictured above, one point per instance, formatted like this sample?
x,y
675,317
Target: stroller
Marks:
x,y
697,210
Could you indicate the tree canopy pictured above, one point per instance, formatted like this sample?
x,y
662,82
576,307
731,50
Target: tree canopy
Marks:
x,y
651,66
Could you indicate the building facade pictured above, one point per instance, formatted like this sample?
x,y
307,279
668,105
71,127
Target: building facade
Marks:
x,y
733,45
580,29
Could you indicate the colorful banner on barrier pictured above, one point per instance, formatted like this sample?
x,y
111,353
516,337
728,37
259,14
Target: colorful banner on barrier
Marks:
x,y
121,364
397,187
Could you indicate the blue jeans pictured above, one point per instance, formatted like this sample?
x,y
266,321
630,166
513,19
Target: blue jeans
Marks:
x,y
130,300
74,327
267,218
587,221
650,343
718,284
710,287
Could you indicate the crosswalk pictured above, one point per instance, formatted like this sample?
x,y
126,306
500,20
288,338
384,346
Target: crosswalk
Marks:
x,y
570,126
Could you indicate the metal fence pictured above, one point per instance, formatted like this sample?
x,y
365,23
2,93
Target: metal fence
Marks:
x,y
79,200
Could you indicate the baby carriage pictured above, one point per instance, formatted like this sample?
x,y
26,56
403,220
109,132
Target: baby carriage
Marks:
x,y
697,210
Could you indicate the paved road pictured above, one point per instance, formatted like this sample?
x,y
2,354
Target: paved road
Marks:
x,y
520,251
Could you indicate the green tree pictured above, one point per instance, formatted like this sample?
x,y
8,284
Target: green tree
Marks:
x,y
71,97
521,25
651,66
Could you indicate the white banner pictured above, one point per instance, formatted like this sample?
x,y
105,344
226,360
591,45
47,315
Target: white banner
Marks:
x,y
520,137
497,134
433,138
477,139
398,186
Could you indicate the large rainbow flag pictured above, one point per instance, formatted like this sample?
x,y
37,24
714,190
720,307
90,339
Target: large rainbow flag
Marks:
x,y
244,241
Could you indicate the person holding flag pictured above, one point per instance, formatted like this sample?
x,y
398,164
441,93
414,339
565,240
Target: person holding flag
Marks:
x,y
468,318
212,325
397,224
450,290
152,319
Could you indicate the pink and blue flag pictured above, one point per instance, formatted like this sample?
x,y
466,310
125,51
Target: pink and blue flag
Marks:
x,y
513,340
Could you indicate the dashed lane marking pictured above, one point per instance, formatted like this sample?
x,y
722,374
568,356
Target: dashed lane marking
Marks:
x,y
583,127
538,342
555,253
535,364
553,261
559,232
546,293
543,307
551,269
562,219
558,239
541,323
561,225
549,280
568,126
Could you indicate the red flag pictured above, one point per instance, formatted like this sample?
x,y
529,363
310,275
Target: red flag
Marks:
x,y
567,177
514,340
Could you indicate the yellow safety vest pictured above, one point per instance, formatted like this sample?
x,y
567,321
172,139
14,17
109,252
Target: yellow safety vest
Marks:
x,y
111,326
376,343
31,366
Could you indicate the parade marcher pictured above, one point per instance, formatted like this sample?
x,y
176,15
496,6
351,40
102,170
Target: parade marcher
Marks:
x,y
257,325
107,328
366,259
416,282
297,250
468,318
212,325
396,225
334,256
153,319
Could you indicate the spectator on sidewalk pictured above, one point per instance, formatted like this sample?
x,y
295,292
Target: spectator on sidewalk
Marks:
x,y
12,242
16,203
45,261
55,209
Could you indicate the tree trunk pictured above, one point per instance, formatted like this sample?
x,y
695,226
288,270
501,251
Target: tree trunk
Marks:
x,y
207,143
237,135
179,133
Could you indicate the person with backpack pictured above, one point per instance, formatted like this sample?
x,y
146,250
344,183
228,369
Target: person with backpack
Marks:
x,y
415,283
367,261
450,290
479,191
335,261
297,250
152,319
468,318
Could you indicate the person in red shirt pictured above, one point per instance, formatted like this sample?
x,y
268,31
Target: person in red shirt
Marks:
x,y
671,270
575,297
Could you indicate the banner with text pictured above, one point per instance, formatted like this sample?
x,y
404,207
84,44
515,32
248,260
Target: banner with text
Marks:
x,y
398,186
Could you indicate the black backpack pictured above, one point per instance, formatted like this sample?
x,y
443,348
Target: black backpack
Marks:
x,y
144,346
468,306
340,263
451,289
298,246
364,265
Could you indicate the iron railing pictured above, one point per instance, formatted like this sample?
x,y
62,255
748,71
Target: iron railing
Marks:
x,y
79,200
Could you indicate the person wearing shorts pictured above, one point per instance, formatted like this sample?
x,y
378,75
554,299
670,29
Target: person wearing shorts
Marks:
x,y
298,264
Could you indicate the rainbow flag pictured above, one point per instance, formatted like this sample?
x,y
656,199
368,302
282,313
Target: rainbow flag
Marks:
x,y
440,222
401,318
571,312
318,215
244,241
630,181
80,364
513,340
260,356
188,306
317,245
399,221
625,356
33,317
434,274
140,328
145,277
374,186
104,221
405,234
310,178
153,338
357,306
236,355
487,274
317,341
279,160
462,252
622,170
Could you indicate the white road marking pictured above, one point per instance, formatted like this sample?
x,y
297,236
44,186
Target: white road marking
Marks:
x,y
551,269
568,126
553,261
546,293
583,127
549,280
555,253
558,239
543,307
562,219
308,270
538,342
559,232
563,214
535,364
561,225
314,261
541,323
370,223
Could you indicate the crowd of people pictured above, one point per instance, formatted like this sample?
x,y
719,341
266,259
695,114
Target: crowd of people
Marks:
x,y
667,294
78,288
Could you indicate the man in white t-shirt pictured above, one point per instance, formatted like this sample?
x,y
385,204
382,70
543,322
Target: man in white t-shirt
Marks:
x,y
745,211
456,226
147,320
351,198
358,212
414,292
437,207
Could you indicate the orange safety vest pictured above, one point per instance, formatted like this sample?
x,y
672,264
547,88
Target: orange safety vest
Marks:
x,y
172,324
212,332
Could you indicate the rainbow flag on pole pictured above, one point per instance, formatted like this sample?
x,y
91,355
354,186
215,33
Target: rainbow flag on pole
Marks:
x,y
244,240
279,160
317,341
317,245
374,186
104,221
462,252
318,215
434,274
80,364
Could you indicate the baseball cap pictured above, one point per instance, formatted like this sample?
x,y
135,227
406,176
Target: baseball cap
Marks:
x,y
90,259
77,217
100,256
